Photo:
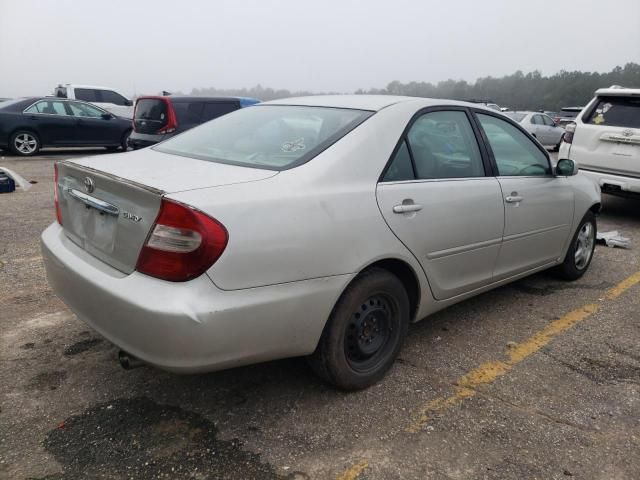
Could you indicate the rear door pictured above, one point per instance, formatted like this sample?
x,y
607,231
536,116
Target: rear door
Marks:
x,y
538,207
52,121
608,136
438,200
150,115
188,114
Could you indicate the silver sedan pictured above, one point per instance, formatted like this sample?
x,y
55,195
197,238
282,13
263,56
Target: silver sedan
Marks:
x,y
540,126
318,226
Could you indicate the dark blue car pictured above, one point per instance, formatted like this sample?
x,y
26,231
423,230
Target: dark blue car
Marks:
x,y
156,118
29,124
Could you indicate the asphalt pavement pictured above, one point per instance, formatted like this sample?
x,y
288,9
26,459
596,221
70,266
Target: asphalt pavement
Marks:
x,y
539,379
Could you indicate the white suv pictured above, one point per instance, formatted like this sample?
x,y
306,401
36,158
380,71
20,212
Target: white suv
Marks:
x,y
604,140
104,97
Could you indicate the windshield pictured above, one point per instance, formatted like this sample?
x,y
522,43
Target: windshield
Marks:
x,y
274,137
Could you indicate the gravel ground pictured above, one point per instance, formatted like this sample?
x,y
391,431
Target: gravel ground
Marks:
x,y
538,380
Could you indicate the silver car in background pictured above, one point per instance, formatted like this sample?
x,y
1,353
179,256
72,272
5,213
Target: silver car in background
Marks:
x,y
541,126
317,226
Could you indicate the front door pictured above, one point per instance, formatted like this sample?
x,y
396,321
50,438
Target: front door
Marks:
x,y
538,207
52,122
92,128
439,202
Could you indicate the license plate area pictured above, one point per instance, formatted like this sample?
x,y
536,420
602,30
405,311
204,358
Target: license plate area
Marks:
x,y
91,228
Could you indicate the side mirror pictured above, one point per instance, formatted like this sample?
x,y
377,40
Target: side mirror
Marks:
x,y
106,116
128,103
566,167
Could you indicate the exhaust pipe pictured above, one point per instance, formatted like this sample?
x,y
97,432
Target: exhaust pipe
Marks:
x,y
128,361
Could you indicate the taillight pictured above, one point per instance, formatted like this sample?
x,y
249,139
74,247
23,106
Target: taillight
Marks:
x,y
55,193
172,121
183,243
569,131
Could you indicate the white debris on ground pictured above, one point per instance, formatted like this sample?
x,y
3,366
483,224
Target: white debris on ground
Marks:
x,y
21,182
613,239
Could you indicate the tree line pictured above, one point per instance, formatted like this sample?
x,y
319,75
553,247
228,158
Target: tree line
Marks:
x,y
518,91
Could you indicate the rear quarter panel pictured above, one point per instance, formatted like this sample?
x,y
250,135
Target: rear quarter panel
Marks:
x,y
317,220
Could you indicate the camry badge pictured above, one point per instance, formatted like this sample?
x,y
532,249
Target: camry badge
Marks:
x,y
89,186
627,132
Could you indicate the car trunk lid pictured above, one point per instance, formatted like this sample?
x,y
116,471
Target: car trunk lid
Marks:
x,y
109,204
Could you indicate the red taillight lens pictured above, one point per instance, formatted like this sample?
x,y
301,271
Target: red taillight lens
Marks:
x,y
172,120
183,243
569,131
55,193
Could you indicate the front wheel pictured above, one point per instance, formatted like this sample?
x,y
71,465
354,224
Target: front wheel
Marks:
x,y
24,143
364,333
580,252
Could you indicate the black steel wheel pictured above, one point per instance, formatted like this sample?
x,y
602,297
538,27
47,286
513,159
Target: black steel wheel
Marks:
x,y
365,331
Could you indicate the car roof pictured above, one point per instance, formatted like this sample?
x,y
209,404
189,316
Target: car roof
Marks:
x,y
187,98
618,91
364,102
77,85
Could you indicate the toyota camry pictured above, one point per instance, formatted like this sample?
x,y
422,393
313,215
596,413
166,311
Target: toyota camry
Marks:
x,y
319,227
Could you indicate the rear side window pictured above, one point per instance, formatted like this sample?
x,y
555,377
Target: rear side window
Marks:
x,y
400,168
215,110
188,112
87,94
274,137
443,145
515,154
548,121
615,112
47,107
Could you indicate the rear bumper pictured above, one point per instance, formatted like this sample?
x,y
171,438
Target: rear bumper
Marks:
x,y
142,140
614,184
192,326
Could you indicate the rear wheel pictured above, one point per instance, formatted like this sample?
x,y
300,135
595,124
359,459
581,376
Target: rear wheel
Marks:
x,y
580,251
364,333
24,143
124,143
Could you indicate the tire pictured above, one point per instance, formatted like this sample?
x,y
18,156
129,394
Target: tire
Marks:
x,y
24,143
124,143
364,333
576,264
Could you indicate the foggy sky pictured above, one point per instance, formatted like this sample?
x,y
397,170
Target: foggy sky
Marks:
x,y
321,45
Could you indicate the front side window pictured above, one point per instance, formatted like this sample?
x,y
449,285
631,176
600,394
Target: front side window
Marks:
x,y
87,94
615,112
548,121
443,145
83,110
47,107
109,96
515,154
274,137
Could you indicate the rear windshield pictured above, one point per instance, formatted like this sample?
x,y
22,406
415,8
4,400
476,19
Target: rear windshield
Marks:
x,y
616,112
518,117
274,137
150,115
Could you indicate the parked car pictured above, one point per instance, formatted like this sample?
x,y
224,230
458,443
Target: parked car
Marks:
x,y
604,140
29,124
104,97
157,118
566,115
317,226
540,126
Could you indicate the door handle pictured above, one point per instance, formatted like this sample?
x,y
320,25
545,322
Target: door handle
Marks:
x,y
512,199
407,208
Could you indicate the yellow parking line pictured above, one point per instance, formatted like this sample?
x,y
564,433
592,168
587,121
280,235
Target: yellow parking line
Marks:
x,y
489,371
353,472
